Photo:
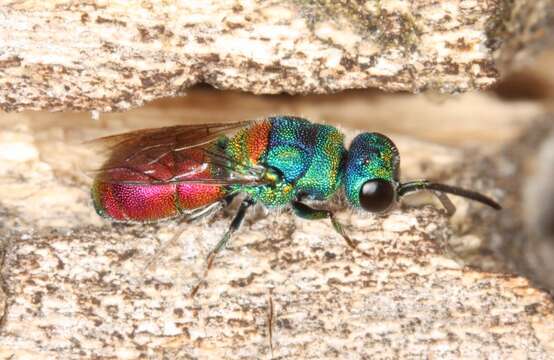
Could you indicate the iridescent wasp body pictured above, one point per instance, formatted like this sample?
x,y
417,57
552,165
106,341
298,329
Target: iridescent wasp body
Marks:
x,y
192,170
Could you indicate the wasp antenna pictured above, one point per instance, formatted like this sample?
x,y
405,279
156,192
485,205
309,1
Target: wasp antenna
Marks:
x,y
418,185
446,202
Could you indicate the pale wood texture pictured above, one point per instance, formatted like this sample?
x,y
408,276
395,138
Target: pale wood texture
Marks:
x,y
75,287
111,55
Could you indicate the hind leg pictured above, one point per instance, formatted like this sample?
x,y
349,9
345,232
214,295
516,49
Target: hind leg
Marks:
x,y
234,226
195,215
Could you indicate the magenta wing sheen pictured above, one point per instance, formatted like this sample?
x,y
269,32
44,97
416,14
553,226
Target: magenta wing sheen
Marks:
x,y
154,174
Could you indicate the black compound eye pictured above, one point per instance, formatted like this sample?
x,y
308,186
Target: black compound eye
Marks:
x,y
377,195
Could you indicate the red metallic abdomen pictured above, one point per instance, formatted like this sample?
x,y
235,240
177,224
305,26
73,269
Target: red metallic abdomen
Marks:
x,y
133,195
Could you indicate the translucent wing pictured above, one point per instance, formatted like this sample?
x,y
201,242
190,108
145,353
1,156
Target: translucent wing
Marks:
x,y
175,154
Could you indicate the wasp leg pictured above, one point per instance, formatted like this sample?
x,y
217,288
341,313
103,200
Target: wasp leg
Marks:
x,y
198,214
235,225
180,230
306,212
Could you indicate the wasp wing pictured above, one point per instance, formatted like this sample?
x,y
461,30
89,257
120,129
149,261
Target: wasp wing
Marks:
x,y
173,155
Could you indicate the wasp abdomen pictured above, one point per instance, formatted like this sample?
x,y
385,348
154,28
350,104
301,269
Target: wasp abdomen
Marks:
x,y
128,199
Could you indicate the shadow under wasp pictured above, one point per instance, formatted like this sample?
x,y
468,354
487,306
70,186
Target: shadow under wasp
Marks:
x,y
191,171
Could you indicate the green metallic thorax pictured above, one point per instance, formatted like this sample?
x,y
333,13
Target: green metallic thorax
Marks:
x,y
307,157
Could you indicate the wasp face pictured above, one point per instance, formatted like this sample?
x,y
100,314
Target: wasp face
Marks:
x,y
371,172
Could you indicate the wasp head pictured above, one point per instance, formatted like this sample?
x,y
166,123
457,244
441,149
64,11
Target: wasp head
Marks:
x,y
371,172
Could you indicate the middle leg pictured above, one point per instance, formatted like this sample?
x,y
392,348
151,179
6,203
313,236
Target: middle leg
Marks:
x,y
307,212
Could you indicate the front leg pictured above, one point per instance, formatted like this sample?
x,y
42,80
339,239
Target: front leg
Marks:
x,y
307,212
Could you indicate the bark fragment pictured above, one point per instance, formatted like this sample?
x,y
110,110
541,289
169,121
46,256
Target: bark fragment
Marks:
x,y
96,55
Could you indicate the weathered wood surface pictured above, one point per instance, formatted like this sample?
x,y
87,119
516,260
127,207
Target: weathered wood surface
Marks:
x,y
527,225
107,56
74,285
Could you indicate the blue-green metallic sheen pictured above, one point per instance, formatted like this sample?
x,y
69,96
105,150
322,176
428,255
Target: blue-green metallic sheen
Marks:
x,y
312,162
371,156
308,158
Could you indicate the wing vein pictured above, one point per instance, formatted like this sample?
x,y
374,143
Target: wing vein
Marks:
x,y
184,154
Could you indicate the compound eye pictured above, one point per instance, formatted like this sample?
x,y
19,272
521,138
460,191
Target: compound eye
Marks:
x,y
377,195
